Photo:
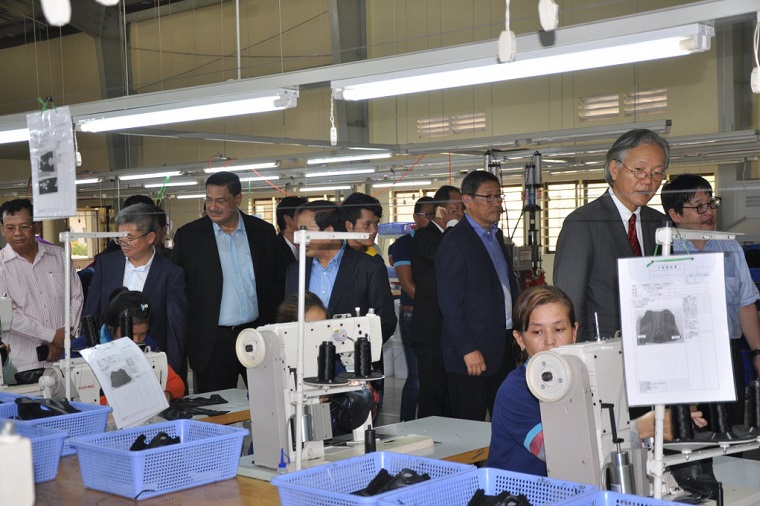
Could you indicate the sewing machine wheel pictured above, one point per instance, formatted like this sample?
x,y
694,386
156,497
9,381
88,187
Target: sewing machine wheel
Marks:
x,y
250,348
548,376
52,378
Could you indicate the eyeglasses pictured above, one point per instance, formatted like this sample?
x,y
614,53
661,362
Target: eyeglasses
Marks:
x,y
429,216
121,241
702,208
222,201
491,198
11,229
655,175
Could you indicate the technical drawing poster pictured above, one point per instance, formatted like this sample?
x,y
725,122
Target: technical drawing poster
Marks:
x,y
127,380
675,330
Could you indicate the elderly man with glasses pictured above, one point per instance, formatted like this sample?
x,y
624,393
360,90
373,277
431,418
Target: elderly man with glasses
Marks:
x,y
689,202
616,225
32,274
137,267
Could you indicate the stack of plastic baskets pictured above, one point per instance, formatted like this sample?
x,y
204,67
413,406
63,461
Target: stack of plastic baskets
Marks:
x,y
459,489
206,453
605,498
46,448
91,419
333,484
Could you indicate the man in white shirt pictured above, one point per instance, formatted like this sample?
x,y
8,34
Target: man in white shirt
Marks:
x,y
32,274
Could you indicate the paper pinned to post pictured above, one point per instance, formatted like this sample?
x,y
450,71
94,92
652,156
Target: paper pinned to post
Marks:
x,y
127,380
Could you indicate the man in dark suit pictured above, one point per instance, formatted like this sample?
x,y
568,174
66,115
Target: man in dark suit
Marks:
x,y
138,266
427,321
476,289
235,280
286,222
594,236
362,213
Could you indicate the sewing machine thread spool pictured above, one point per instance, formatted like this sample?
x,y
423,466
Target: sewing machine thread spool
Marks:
x,y
125,323
720,422
753,407
680,416
89,330
326,361
362,357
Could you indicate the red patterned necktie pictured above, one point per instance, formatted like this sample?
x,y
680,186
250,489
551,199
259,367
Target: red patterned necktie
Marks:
x,y
633,237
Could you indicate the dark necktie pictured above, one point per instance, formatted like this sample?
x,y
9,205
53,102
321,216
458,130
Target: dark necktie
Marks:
x,y
633,237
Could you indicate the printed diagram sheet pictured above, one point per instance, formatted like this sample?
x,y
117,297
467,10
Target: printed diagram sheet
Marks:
x,y
675,329
127,380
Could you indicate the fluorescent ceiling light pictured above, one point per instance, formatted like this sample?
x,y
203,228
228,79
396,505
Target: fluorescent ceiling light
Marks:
x,y
402,183
150,175
603,52
189,110
14,135
173,183
192,196
259,178
90,180
351,172
348,158
324,188
250,166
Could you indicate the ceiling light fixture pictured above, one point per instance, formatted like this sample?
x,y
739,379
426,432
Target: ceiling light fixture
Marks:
x,y
237,168
173,183
149,175
351,172
259,178
140,113
192,196
402,183
91,180
348,158
533,60
324,188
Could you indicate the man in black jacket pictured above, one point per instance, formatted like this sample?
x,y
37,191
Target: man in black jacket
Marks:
x,y
286,223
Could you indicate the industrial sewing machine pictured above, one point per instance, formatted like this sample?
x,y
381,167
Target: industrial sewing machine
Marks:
x,y
270,353
576,386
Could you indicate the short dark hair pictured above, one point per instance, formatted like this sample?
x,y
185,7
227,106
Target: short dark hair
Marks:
x,y
326,214
228,179
475,179
421,202
288,207
351,208
443,194
681,190
632,139
288,310
138,199
123,299
534,297
142,216
13,206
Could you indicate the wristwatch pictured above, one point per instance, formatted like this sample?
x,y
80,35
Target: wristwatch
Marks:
x,y
754,353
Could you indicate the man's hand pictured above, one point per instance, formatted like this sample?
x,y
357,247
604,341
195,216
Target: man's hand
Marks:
x,y
475,363
54,352
60,335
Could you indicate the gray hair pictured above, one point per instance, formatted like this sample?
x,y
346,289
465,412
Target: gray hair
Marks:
x,y
142,216
632,139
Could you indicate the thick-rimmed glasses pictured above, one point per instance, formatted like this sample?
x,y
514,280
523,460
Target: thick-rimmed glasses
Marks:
x,y
24,228
122,241
496,197
702,208
656,175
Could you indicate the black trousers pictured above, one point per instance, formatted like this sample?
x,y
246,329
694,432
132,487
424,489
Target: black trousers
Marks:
x,y
434,398
471,397
224,368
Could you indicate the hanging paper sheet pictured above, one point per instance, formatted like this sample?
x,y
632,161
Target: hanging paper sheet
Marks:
x,y
51,150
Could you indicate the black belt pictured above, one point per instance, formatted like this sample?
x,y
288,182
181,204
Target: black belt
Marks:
x,y
239,326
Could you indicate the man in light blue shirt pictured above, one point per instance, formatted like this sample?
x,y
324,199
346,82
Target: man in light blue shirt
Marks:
x,y
689,202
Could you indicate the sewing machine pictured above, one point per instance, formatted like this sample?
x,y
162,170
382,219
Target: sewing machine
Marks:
x,y
270,354
575,385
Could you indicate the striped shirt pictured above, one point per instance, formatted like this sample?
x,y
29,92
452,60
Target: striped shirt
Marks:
x,y
37,291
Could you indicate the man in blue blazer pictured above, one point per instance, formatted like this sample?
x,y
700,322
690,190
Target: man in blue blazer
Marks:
x,y
138,267
476,289
594,236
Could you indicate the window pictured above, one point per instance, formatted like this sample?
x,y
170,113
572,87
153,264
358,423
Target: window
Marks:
x,y
602,106
454,124
635,103
402,204
645,102
512,221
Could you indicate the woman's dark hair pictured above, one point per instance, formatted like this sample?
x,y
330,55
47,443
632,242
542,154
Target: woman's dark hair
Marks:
x,y
534,297
288,310
122,299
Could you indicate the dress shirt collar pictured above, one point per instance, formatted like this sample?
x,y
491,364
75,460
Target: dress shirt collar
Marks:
x,y
482,232
624,212
141,268
240,227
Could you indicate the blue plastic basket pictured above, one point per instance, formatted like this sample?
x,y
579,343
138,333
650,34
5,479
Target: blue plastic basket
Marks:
x,y
7,397
46,448
207,452
332,484
90,420
459,489
604,498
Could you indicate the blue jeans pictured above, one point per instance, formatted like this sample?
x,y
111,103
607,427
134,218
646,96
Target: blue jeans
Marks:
x,y
411,393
